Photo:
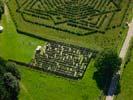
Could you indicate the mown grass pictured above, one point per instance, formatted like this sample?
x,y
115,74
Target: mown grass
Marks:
x,y
126,82
43,86
16,46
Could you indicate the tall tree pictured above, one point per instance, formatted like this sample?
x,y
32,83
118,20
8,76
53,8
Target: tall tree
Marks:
x,y
11,67
107,63
12,85
9,80
1,7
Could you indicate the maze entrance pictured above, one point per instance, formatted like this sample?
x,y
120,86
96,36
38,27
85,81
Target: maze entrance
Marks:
x,y
79,17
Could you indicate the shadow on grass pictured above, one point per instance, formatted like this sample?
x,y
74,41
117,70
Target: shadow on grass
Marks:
x,y
103,83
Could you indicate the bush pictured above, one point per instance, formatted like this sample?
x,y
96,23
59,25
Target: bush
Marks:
x,y
11,67
9,80
1,8
12,85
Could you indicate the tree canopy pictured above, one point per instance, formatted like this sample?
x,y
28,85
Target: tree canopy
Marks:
x,y
108,62
1,7
9,80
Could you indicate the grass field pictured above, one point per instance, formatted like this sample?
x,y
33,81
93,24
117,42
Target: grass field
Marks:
x,y
14,45
42,86
127,82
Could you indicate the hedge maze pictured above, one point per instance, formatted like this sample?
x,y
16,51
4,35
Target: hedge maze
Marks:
x,y
52,20
80,17
63,59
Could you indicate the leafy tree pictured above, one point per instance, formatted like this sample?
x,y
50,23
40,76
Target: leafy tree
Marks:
x,y
107,63
2,70
9,80
1,7
11,67
12,85
2,61
4,94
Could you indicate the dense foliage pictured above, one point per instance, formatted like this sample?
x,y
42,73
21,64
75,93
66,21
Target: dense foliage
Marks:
x,y
1,7
9,80
107,63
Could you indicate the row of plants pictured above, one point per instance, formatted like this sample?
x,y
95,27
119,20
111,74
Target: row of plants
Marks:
x,y
56,28
40,12
91,28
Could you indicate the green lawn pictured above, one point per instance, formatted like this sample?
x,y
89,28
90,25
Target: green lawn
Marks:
x,y
127,82
14,45
42,86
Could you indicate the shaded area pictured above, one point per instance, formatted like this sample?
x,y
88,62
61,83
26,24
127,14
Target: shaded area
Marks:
x,y
9,80
103,83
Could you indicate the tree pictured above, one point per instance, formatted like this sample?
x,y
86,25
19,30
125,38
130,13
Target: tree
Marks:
x,y
2,61
107,63
4,94
12,85
2,70
1,7
11,67
9,80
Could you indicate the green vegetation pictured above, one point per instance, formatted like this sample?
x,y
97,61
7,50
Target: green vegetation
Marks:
x,y
112,38
39,86
16,46
60,58
107,63
129,53
1,8
127,82
9,81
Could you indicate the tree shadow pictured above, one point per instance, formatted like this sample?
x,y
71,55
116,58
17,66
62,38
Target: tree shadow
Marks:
x,y
118,89
103,83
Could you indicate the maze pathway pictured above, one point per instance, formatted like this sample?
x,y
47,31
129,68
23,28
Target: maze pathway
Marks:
x,y
65,15
64,59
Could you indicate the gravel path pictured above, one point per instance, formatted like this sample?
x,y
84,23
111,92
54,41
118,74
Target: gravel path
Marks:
x,y
122,55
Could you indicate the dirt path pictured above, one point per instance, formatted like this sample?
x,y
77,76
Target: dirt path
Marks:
x,y
6,13
122,55
26,91
127,40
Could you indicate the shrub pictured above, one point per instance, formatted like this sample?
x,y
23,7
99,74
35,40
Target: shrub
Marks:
x,y
11,67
